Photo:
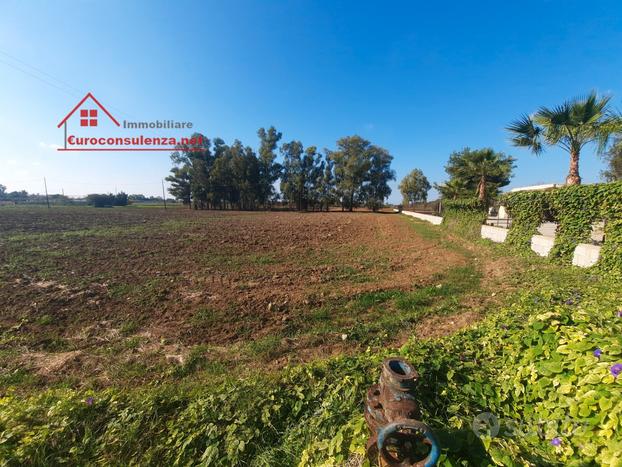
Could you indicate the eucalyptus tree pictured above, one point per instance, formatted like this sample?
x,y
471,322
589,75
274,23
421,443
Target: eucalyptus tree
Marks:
x,y
221,176
309,177
376,186
191,167
570,126
613,157
326,184
414,187
351,166
245,176
269,171
180,183
292,153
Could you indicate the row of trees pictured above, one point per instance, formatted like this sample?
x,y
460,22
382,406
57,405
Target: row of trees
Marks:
x,y
120,199
23,197
214,175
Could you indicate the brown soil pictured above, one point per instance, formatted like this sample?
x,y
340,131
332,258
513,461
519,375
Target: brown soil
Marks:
x,y
77,280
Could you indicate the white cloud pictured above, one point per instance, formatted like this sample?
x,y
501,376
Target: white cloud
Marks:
x,y
49,145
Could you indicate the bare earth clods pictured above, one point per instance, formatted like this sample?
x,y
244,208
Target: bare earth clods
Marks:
x,y
86,285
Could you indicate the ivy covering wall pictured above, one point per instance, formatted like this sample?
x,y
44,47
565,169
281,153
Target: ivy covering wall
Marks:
x,y
575,209
464,215
527,209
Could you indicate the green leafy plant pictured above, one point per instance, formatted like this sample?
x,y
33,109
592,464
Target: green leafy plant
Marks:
x,y
575,209
465,216
527,209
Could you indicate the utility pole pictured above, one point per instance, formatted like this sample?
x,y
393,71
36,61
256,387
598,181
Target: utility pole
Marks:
x,y
163,194
47,199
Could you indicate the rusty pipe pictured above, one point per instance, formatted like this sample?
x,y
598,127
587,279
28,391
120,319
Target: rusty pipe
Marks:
x,y
398,436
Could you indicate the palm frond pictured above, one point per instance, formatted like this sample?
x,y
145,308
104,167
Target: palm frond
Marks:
x,y
589,109
526,134
610,125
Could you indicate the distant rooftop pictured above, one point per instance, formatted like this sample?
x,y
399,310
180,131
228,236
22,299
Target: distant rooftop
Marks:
x,y
546,186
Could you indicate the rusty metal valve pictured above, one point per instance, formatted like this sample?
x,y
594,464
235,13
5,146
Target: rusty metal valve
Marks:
x,y
398,436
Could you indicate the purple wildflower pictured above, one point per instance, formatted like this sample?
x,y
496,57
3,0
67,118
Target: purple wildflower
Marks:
x,y
616,369
89,401
556,442
570,301
619,314
598,353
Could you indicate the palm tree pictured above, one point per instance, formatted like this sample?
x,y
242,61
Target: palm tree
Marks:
x,y
452,189
483,171
570,126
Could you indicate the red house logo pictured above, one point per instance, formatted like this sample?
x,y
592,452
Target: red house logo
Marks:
x,y
88,116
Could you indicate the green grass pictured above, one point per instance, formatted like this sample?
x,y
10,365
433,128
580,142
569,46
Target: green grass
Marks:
x,y
375,318
147,293
45,320
206,316
129,327
262,259
266,348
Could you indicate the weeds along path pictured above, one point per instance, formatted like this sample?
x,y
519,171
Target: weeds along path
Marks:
x,y
93,298
488,278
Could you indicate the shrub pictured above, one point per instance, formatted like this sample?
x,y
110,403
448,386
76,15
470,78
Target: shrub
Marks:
x,y
464,215
107,200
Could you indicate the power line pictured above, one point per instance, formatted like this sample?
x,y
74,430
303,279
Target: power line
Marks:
x,y
66,87
37,77
38,70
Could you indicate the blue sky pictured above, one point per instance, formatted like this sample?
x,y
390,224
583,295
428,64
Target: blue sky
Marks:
x,y
419,78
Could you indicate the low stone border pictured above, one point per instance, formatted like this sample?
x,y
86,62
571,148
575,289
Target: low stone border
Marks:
x,y
542,244
585,255
496,234
436,220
